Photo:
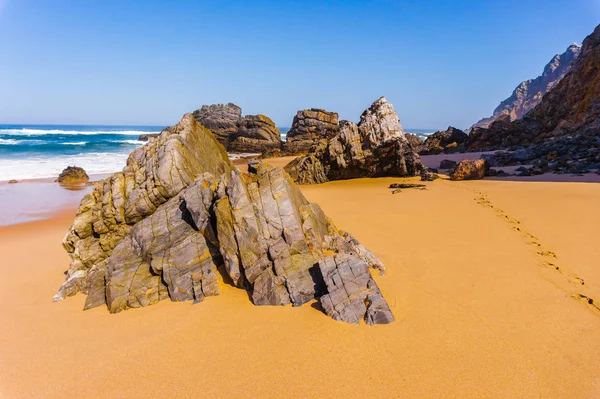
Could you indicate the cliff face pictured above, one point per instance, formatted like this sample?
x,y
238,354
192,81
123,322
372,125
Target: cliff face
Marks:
x,y
571,108
530,92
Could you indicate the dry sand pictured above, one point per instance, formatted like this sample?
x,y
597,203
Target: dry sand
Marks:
x,y
480,311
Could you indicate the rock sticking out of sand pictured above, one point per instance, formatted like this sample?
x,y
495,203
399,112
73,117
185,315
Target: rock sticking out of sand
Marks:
x,y
470,170
73,175
375,147
180,213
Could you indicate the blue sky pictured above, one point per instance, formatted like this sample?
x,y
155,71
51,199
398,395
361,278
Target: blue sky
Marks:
x,y
147,62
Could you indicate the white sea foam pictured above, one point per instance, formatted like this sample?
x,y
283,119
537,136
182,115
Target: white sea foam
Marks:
x,y
135,142
76,143
8,142
52,165
35,132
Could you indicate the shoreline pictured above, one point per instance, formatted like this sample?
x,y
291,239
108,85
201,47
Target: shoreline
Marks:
x,y
18,204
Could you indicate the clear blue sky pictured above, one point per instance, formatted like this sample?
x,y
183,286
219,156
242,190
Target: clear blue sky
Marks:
x,y
147,62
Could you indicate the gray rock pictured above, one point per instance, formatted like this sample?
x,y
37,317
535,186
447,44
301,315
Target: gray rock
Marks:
x,y
248,134
352,294
375,147
221,119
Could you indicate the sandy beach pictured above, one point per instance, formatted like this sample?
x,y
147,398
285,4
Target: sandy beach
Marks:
x,y
489,282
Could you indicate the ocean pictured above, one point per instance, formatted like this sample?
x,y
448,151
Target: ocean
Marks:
x,y
43,151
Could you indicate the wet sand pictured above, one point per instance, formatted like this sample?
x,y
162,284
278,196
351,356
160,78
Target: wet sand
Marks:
x,y
481,309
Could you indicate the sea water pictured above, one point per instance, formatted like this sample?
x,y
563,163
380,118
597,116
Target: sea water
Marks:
x,y
41,151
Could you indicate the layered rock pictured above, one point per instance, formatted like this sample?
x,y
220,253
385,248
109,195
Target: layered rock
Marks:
x,y
222,120
449,141
571,108
530,92
73,175
179,214
375,147
309,127
256,133
251,133
469,170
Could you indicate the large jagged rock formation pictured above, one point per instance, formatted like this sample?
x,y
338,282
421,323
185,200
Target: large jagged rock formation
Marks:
x,y
250,134
571,108
309,127
180,213
375,147
530,92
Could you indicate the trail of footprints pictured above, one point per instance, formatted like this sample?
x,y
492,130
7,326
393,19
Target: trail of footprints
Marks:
x,y
548,259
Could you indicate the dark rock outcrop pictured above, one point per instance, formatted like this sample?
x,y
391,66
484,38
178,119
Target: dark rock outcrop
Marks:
x,y
571,111
375,147
470,170
414,140
530,92
252,133
448,141
73,175
13,181
447,164
180,213
309,127
222,120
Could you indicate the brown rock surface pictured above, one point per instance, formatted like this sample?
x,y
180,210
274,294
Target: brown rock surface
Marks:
x,y
73,175
309,127
470,170
256,133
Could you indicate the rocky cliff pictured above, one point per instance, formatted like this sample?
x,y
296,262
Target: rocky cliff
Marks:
x,y
376,146
530,92
571,108
251,133
179,214
309,127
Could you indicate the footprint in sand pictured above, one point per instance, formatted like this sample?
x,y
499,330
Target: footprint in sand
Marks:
x,y
532,240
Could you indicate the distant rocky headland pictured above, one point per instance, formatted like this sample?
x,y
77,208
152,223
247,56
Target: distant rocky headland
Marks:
x,y
528,94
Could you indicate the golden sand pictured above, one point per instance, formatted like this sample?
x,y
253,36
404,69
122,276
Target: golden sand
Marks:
x,y
481,309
